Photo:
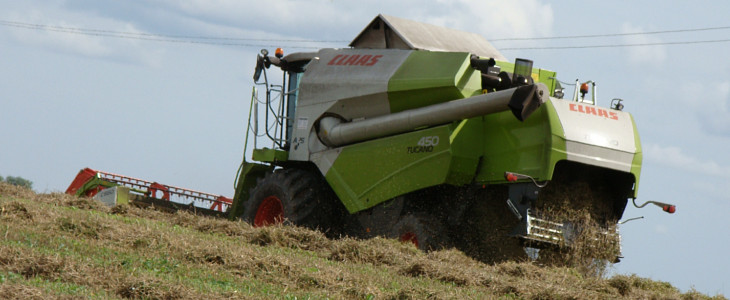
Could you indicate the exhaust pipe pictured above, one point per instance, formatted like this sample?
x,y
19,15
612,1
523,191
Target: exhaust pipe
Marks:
x,y
522,101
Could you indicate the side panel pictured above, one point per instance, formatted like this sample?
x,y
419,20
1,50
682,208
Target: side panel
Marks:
x,y
598,136
427,78
351,83
532,147
366,174
548,78
560,130
113,196
638,158
467,142
337,74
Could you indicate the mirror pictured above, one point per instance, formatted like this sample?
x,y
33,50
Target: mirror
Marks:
x,y
259,67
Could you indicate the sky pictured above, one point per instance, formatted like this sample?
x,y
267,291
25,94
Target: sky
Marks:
x,y
141,94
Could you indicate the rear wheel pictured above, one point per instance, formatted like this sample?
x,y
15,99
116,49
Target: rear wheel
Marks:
x,y
422,230
293,196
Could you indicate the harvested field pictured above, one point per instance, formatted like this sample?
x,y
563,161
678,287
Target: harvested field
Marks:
x,y
64,247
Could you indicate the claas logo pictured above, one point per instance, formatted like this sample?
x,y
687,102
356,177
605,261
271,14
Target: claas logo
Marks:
x,y
355,60
592,110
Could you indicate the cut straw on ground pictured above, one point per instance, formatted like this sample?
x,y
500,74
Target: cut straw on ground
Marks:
x,y
64,247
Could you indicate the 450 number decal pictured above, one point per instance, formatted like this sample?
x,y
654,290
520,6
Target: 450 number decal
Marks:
x,y
425,144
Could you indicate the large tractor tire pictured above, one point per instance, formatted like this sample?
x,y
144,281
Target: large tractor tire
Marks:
x,y
424,231
294,196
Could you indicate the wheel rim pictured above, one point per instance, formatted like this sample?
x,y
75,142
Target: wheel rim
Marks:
x,y
270,212
409,237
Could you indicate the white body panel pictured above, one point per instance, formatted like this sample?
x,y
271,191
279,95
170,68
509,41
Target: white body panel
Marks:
x,y
352,84
596,135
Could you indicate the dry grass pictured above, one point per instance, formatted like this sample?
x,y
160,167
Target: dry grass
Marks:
x,y
63,247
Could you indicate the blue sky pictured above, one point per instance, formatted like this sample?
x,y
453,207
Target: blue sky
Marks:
x,y
175,112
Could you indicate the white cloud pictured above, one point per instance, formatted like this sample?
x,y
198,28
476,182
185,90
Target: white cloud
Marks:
x,y
497,19
711,103
703,178
653,55
317,20
57,30
718,191
344,19
305,19
674,157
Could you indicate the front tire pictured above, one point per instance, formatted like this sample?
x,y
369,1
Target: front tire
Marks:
x,y
293,196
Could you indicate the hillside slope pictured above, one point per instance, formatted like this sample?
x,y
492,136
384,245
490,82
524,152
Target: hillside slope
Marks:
x,y
58,246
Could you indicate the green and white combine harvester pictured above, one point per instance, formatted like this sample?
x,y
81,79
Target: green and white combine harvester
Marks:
x,y
430,135
421,133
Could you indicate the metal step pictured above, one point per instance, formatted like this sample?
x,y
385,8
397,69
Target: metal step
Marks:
x,y
539,230
542,230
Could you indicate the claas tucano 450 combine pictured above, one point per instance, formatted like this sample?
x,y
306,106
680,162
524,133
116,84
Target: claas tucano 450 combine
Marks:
x,y
430,135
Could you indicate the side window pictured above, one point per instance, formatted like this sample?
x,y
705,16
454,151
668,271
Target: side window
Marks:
x,y
291,100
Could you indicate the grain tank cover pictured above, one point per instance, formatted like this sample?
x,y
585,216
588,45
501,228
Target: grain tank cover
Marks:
x,y
387,32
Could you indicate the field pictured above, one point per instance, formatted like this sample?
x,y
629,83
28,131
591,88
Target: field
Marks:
x,y
59,246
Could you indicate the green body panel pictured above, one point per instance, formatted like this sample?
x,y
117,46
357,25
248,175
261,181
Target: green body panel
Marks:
x,y
638,158
248,176
532,147
548,78
123,195
269,155
369,173
427,78
466,149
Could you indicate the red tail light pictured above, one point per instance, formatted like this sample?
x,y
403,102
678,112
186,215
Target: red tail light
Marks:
x,y
669,208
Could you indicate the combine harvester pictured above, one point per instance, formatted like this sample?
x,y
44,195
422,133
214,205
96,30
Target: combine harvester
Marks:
x,y
430,135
